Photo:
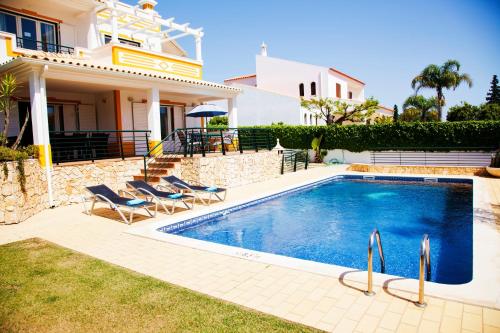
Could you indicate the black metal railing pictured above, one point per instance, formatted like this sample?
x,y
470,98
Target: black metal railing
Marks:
x,y
33,44
72,146
188,142
294,160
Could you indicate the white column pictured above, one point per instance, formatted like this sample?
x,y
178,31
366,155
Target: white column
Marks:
x,y
232,108
199,56
40,123
37,100
114,26
153,109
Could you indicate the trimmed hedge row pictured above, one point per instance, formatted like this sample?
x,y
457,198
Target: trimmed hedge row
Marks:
x,y
464,135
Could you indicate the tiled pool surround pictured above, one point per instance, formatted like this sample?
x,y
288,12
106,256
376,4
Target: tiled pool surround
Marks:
x,y
485,242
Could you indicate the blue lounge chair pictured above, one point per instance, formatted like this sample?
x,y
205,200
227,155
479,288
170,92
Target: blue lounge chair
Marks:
x,y
154,194
197,189
102,193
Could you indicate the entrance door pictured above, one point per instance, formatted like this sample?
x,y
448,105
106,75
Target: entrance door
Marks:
x,y
166,119
28,33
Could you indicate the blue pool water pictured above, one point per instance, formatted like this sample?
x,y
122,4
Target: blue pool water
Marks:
x,y
331,223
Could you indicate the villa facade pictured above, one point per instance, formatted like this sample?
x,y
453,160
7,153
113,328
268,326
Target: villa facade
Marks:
x,y
289,82
101,66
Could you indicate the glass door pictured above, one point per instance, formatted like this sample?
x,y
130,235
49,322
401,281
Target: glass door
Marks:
x,y
28,33
166,112
48,37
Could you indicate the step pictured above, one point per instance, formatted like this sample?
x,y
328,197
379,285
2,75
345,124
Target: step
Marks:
x,y
156,172
151,179
168,159
161,165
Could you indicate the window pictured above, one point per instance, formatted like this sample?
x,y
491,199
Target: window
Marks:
x,y
350,94
8,23
107,39
31,33
311,119
337,86
305,119
301,90
313,88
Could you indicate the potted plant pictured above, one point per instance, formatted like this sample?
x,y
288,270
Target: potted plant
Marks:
x,y
494,168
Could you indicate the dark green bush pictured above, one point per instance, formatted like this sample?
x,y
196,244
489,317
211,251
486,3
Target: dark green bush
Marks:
x,y
405,136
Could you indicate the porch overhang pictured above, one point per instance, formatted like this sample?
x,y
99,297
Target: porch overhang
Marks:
x,y
116,77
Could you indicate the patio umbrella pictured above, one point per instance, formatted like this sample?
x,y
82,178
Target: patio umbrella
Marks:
x,y
206,110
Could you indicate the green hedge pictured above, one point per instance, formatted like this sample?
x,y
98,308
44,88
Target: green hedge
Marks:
x,y
404,136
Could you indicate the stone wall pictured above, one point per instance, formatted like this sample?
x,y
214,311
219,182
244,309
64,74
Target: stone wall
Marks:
x,y
418,169
231,170
16,205
69,180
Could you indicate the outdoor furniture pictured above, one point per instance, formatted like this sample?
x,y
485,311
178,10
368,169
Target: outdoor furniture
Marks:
x,y
197,189
154,194
102,193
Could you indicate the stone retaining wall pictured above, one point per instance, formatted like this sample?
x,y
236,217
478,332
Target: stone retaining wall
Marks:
x,y
417,169
69,180
231,170
16,205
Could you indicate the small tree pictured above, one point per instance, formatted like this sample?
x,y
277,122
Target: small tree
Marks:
x,y
321,107
493,95
395,114
463,112
218,121
8,87
343,111
424,105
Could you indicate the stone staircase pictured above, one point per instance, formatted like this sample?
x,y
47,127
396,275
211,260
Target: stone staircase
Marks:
x,y
160,167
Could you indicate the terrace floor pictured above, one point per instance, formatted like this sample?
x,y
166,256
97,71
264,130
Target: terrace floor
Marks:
x,y
324,302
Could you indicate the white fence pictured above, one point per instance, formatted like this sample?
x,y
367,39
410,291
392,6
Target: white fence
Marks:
x,y
397,157
460,158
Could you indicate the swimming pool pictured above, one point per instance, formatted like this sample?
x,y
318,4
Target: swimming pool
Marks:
x,y
330,221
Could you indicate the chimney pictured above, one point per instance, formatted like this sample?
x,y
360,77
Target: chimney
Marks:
x,y
263,50
148,5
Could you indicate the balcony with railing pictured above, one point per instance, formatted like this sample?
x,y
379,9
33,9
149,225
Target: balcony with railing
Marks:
x,y
37,45
74,146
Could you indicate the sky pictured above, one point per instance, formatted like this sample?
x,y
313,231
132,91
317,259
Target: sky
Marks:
x,y
384,43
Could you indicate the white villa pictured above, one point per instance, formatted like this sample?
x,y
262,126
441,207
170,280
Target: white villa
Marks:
x,y
273,93
101,65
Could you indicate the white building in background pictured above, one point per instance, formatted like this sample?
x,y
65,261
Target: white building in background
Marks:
x,y
274,92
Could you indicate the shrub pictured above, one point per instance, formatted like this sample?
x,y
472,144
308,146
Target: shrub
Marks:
x,y
401,135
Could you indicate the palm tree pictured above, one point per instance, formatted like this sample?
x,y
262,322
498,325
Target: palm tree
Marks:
x,y
423,105
446,76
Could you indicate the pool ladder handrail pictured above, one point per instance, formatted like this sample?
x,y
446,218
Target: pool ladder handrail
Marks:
x,y
425,267
375,235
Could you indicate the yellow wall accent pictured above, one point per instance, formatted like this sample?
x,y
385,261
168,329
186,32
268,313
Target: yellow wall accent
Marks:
x,y
158,150
8,47
41,155
144,60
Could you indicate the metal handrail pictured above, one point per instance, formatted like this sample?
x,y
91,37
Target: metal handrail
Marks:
x,y
43,46
197,140
425,265
291,160
375,235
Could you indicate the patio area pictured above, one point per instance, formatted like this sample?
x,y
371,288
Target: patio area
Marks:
x,y
325,302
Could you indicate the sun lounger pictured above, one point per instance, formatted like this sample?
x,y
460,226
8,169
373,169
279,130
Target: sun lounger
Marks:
x,y
197,189
154,194
102,193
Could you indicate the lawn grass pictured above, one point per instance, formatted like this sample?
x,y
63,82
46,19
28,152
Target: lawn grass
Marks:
x,y
47,288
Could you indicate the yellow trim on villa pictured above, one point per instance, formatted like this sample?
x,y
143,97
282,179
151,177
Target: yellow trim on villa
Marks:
x,y
41,155
8,48
158,148
144,60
